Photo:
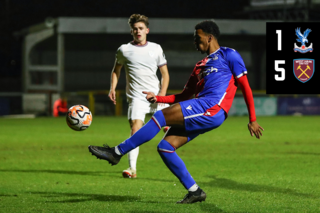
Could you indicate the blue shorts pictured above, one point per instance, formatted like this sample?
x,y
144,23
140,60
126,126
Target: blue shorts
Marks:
x,y
200,116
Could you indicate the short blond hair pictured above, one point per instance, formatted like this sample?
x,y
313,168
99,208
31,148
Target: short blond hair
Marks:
x,y
134,18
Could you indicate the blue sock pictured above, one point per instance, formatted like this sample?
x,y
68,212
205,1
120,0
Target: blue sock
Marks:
x,y
146,133
175,164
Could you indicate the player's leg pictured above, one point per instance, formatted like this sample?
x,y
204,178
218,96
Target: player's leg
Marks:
x,y
196,115
168,116
131,172
137,111
199,118
161,106
175,138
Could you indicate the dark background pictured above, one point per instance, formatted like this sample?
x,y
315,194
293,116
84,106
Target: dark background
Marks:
x,y
291,85
18,14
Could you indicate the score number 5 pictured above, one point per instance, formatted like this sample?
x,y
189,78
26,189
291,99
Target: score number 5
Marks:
x,y
280,77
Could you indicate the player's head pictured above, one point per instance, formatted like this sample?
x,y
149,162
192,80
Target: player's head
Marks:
x,y
206,32
139,27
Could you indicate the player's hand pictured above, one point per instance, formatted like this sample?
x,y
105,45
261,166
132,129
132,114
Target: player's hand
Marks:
x,y
255,129
151,97
112,96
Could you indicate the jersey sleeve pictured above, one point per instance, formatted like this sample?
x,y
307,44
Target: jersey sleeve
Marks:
x,y
236,64
161,57
248,97
187,92
119,56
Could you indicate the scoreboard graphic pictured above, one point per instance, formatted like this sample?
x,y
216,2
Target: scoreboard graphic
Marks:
x,y
292,57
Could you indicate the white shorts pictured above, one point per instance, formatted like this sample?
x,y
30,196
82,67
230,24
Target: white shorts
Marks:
x,y
138,109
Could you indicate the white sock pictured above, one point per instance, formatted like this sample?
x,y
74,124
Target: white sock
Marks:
x,y
193,188
117,150
133,157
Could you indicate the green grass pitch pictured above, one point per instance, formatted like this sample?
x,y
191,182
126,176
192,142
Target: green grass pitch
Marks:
x,y
46,167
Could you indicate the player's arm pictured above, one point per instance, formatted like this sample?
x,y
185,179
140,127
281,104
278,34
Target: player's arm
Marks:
x,y
186,93
253,126
115,75
164,80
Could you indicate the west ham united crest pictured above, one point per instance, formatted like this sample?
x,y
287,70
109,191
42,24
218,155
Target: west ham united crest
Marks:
x,y
303,69
302,38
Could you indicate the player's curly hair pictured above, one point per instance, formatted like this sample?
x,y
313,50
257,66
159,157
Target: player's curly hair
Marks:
x,y
134,18
209,27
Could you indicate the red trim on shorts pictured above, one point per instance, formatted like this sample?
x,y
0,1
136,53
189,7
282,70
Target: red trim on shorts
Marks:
x,y
212,111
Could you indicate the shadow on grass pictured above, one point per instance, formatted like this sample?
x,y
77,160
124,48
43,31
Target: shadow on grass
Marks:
x,y
67,172
139,211
203,206
156,179
233,185
3,195
302,153
210,208
82,197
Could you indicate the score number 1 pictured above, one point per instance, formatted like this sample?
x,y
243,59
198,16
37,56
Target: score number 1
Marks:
x,y
280,77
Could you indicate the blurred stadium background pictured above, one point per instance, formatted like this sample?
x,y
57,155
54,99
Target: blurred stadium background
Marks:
x,y
69,46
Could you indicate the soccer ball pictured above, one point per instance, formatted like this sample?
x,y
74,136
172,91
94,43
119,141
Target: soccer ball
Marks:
x,y
79,117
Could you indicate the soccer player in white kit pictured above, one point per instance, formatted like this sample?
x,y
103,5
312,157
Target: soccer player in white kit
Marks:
x,y
141,60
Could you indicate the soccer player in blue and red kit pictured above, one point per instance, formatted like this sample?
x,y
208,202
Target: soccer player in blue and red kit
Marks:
x,y
214,83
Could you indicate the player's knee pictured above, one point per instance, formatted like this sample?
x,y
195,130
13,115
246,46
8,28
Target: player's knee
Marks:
x,y
165,146
135,125
134,130
159,118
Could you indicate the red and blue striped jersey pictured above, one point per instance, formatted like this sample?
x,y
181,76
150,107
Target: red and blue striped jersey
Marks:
x,y
215,76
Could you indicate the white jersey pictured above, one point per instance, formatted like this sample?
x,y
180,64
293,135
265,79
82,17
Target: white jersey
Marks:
x,y
141,64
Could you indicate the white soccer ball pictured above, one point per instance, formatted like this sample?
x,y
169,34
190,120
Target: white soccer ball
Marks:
x,y
79,117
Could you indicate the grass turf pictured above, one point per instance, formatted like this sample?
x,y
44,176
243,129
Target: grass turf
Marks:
x,y
46,167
